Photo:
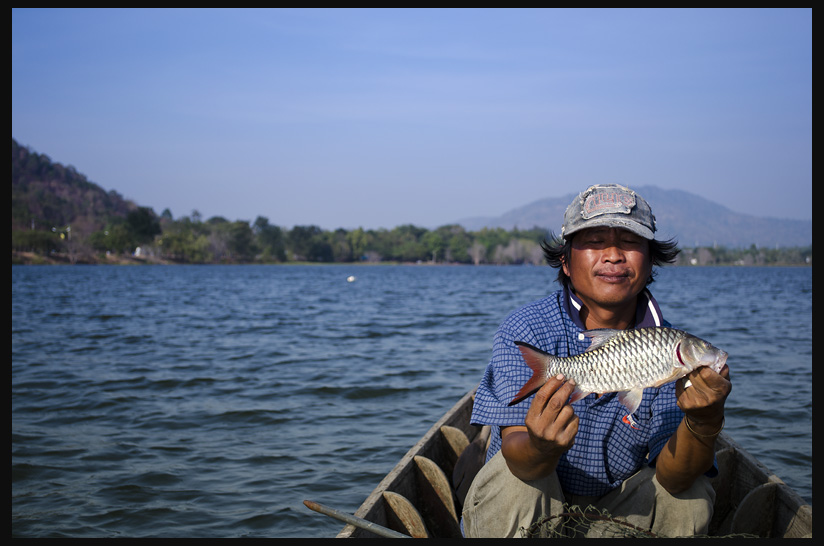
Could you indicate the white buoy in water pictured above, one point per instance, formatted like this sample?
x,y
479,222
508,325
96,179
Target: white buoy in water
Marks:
x,y
350,278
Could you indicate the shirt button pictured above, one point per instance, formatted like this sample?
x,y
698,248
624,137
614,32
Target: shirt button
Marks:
x,y
581,336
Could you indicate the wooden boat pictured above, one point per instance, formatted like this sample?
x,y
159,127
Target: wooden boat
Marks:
x,y
420,498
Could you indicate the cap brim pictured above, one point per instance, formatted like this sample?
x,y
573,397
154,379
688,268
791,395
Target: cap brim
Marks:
x,y
628,225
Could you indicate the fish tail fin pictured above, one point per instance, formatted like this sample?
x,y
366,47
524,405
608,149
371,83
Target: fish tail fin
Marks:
x,y
539,362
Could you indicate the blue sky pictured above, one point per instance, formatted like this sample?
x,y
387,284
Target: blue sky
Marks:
x,y
382,117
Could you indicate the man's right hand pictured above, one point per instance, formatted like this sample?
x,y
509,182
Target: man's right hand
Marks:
x,y
532,451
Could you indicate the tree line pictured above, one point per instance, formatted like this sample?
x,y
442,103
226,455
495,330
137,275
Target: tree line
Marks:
x,y
192,240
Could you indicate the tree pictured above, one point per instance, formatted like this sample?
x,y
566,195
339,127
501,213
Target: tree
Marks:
x,y
491,239
308,243
241,241
115,238
477,252
182,242
142,225
270,240
231,241
434,244
358,242
457,242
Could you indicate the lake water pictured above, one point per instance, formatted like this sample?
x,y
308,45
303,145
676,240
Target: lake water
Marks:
x,y
210,401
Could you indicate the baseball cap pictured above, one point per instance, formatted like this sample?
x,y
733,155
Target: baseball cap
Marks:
x,y
610,205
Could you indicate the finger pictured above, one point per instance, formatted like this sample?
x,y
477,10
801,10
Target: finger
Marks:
x,y
544,394
563,427
561,397
566,418
557,413
707,378
725,372
688,389
695,386
707,389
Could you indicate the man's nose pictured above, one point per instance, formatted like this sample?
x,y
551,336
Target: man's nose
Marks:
x,y
612,252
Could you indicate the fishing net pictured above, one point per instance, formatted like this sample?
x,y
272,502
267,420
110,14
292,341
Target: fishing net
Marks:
x,y
590,522
577,522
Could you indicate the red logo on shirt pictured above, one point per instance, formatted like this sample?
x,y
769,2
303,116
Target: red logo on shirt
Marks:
x,y
629,421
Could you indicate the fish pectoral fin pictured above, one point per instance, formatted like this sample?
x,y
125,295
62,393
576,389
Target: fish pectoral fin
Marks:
x,y
577,394
631,399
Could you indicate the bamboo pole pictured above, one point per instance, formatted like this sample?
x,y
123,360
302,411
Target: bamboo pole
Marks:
x,y
354,520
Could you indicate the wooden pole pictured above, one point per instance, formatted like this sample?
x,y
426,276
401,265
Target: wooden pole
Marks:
x,y
354,520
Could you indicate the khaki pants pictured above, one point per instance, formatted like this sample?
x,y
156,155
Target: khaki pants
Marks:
x,y
499,505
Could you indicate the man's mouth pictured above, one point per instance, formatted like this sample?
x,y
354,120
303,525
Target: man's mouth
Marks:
x,y
612,276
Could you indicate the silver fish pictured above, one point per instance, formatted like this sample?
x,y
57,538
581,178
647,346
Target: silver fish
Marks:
x,y
623,361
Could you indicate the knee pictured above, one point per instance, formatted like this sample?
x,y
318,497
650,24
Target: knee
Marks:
x,y
686,513
498,504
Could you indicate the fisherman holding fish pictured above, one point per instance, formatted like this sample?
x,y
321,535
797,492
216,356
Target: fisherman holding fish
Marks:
x,y
594,399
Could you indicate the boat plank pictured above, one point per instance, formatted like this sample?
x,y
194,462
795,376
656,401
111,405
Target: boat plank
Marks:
x,y
402,516
436,498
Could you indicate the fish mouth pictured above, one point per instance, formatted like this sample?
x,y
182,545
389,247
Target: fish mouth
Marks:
x,y
720,361
715,364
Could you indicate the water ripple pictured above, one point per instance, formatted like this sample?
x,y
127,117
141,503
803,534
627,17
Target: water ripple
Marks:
x,y
209,401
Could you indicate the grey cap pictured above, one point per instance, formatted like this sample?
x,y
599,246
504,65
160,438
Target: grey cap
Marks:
x,y
610,205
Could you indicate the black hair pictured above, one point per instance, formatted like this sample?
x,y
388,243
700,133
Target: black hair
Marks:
x,y
557,251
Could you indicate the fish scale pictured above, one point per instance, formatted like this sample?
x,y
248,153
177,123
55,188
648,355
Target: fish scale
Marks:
x,y
612,365
623,361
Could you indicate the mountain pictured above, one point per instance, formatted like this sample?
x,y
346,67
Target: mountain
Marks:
x,y
46,194
689,218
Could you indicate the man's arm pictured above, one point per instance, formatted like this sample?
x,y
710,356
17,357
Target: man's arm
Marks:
x,y
532,451
691,450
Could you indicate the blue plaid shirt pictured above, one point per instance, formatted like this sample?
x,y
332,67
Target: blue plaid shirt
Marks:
x,y
607,448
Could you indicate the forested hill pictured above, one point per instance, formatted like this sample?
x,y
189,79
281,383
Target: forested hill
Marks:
x,y
45,194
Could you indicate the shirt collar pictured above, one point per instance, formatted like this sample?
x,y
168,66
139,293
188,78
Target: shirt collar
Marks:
x,y
647,312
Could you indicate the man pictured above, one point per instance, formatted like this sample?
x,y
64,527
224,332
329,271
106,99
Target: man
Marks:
x,y
650,468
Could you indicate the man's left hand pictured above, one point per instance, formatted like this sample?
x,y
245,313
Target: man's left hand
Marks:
x,y
703,397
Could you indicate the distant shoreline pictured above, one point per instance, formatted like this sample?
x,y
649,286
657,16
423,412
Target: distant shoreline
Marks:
x,y
30,258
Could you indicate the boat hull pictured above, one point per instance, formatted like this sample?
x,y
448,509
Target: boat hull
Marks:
x,y
423,494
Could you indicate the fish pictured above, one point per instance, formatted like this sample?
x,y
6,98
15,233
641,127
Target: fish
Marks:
x,y
622,361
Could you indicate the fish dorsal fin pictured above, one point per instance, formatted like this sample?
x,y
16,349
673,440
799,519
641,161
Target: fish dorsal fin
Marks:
x,y
600,336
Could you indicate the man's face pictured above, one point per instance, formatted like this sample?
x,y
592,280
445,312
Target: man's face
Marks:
x,y
608,267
